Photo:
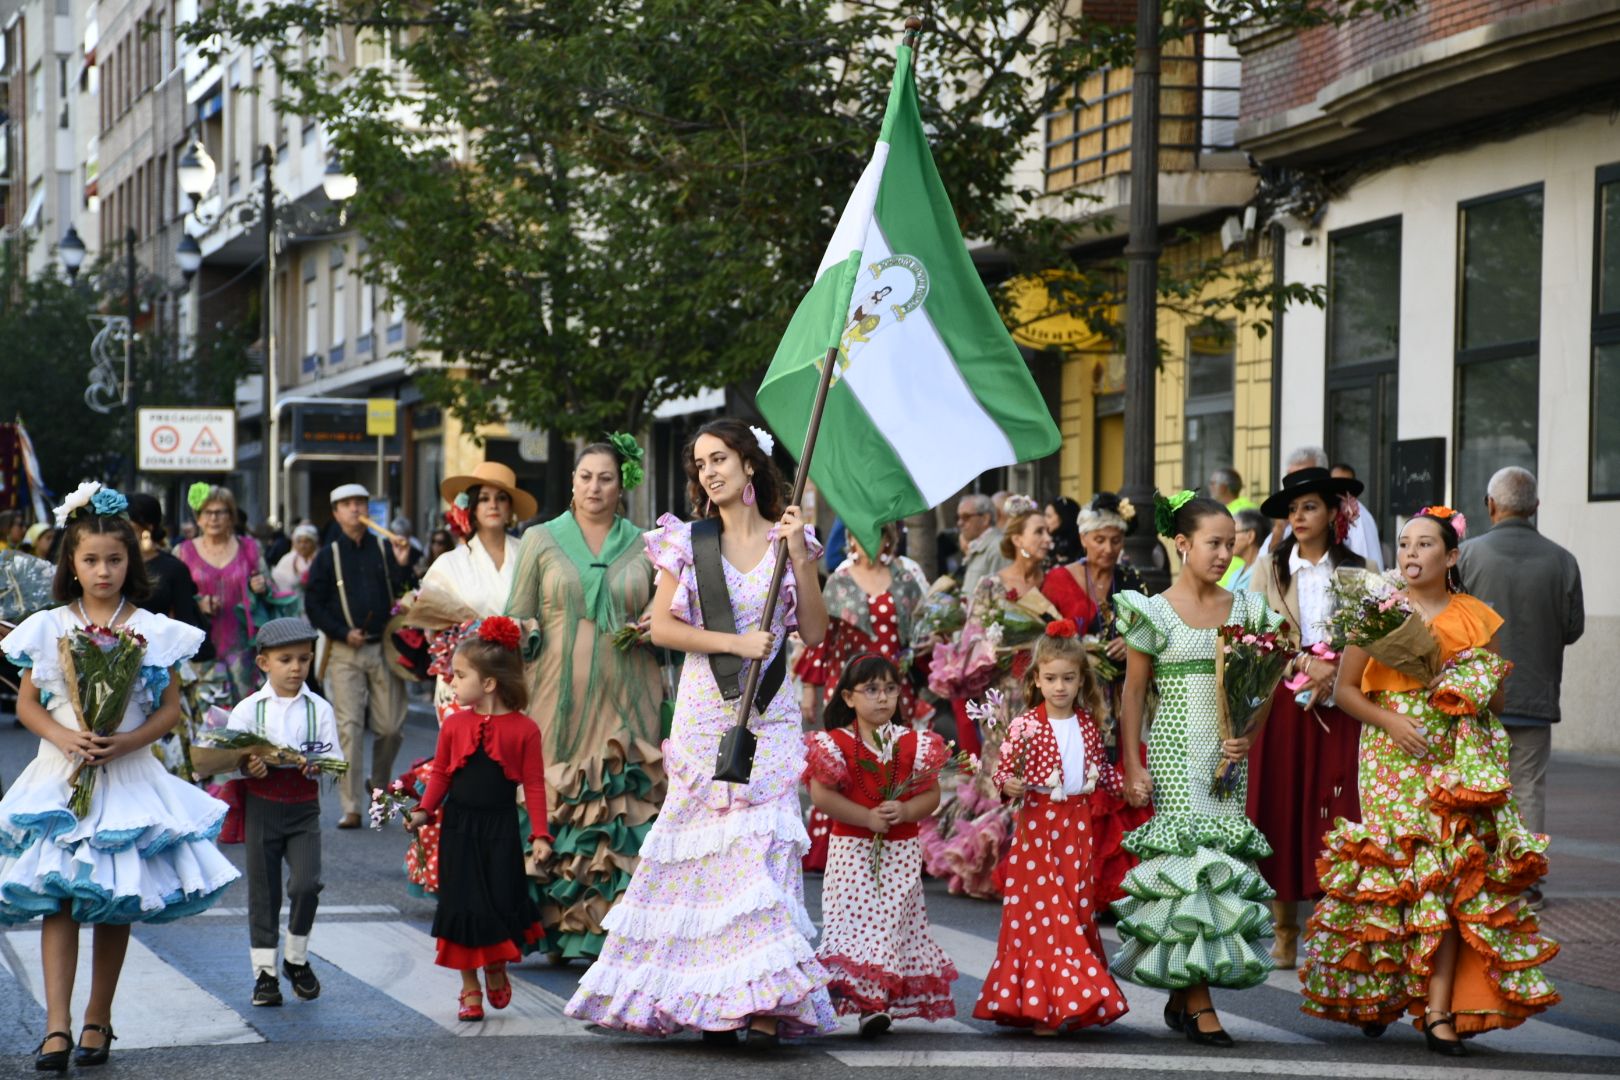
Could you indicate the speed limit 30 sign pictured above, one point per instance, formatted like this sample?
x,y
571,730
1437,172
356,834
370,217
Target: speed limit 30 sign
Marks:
x,y
187,440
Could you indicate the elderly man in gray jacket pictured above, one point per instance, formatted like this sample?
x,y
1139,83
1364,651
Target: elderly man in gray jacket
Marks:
x,y
1535,586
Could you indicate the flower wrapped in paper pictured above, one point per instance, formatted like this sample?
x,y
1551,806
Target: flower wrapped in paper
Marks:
x,y
223,750
1249,663
940,615
1374,613
103,666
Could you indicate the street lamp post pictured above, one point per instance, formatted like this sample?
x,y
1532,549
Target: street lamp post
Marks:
x,y
1141,297
196,176
130,382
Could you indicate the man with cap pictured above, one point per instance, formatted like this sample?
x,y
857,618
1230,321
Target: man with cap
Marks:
x,y
281,807
353,584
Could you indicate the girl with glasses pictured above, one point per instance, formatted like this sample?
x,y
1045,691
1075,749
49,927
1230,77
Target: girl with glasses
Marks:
x,y
877,781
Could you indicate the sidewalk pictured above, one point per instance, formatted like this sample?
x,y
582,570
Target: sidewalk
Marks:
x,y
1583,881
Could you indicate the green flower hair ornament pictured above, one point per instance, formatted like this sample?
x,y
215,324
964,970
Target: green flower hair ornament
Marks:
x,y
197,495
1164,510
631,474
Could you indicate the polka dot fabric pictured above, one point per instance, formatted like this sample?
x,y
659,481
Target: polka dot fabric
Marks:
x,y
1049,971
1195,904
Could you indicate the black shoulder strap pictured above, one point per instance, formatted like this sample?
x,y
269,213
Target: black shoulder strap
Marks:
x,y
714,600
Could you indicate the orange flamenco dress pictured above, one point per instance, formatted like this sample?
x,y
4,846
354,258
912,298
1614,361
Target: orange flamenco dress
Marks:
x,y
1440,845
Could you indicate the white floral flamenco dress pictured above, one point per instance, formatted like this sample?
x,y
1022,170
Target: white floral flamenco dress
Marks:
x,y
144,852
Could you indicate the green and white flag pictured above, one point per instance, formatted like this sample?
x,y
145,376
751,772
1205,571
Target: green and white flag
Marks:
x,y
930,390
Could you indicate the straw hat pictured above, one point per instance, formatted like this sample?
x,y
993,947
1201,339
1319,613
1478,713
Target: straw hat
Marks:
x,y
491,474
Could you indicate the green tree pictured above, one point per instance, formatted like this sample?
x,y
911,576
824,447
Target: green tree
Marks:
x,y
47,325
592,206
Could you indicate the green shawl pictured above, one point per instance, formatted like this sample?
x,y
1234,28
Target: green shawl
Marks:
x,y
599,607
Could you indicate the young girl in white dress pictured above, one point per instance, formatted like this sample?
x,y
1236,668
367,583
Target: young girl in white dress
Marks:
x,y
144,851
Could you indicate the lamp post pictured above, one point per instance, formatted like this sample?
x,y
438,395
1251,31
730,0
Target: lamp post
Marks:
x,y
1141,297
196,173
71,251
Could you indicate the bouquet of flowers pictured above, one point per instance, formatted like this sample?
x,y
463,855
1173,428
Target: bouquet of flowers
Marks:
x,y
965,666
397,800
1373,612
1102,665
1249,664
25,585
627,637
222,750
939,614
892,786
103,666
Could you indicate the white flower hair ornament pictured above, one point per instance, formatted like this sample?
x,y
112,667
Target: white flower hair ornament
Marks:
x,y
767,443
1019,504
79,500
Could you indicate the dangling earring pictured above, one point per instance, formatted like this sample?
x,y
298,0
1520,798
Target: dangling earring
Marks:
x,y
748,494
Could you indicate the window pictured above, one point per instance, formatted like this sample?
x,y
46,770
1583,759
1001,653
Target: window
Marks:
x,y
1211,360
1363,356
1603,480
1498,339
312,321
340,315
368,298
64,93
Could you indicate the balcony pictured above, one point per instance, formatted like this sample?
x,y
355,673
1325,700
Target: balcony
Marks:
x,y
1088,139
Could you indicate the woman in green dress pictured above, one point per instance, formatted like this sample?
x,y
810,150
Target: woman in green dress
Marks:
x,y
1195,904
582,578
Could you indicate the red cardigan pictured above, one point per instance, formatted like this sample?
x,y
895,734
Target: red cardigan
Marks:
x,y
511,740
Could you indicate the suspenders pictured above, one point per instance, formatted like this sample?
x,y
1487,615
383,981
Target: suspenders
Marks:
x,y
343,593
312,744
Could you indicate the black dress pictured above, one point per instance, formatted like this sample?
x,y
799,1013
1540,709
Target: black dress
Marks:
x,y
485,912
174,594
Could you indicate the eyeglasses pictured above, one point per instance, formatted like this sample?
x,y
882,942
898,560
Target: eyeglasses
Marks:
x,y
960,518
217,512
877,692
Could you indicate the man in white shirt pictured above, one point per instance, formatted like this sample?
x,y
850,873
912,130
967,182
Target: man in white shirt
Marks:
x,y
281,807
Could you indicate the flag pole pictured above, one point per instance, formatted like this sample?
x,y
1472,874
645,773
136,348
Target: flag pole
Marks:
x,y
745,704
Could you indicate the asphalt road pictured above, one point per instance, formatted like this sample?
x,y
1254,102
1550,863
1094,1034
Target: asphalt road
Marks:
x,y
183,1006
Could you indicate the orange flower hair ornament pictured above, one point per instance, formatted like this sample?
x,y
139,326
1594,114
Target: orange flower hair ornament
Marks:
x,y
499,630
1459,523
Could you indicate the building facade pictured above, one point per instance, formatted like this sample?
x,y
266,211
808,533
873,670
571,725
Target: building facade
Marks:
x,y
1461,206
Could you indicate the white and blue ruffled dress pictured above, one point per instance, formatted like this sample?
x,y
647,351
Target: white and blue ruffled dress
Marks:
x,y
144,852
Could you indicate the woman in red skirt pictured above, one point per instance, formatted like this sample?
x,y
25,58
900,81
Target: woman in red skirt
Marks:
x,y
1050,971
1302,770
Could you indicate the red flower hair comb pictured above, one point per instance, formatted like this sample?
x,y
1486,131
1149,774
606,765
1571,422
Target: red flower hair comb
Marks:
x,y
499,630
1063,628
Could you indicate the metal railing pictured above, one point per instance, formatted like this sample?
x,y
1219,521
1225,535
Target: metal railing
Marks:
x,y
1090,138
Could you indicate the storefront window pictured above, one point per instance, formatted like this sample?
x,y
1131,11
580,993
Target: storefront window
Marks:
x,y
1363,358
1604,476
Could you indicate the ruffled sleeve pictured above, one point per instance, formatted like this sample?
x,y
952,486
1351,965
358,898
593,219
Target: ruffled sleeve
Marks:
x,y
824,762
32,646
168,642
669,547
1254,610
1136,623
790,584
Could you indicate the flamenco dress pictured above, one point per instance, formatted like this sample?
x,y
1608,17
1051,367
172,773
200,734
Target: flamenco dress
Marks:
x,y
144,852
1195,905
874,937
1050,969
713,930
1440,845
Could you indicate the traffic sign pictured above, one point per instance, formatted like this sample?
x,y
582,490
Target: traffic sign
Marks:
x,y
186,440
381,416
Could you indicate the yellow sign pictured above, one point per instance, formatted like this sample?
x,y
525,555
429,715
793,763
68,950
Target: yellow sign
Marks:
x,y
382,416
1039,320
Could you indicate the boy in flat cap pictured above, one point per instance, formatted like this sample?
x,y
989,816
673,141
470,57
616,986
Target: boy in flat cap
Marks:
x,y
281,807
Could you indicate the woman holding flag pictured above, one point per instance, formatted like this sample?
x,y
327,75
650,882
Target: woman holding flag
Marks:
x,y
712,934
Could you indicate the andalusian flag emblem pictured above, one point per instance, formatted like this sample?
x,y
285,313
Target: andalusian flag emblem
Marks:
x,y
930,390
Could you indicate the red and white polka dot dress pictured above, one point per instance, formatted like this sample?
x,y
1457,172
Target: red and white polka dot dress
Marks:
x,y
874,940
823,665
1050,969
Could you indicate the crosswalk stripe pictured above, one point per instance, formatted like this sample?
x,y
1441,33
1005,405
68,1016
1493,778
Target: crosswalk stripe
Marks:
x,y
1360,1068
974,955
157,1005
397,959
326,911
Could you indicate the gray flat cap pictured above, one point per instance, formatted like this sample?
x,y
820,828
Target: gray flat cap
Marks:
x,y
286,631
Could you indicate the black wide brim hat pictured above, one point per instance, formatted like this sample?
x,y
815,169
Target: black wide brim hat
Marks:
x,y
1307,482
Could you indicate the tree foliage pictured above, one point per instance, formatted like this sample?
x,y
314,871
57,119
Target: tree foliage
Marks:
x,y
593,206
47,327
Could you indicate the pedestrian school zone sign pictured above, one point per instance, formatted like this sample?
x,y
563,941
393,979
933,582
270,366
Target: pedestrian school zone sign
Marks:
x,y
187,440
